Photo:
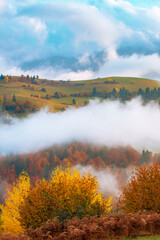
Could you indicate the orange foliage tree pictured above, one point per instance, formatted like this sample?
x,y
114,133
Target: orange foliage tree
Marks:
x,y
67,194
143,190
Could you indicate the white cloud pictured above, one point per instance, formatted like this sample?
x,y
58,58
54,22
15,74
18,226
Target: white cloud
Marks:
x,y
87,22
107,123
115,65
140,19
2,5
36,26
46,72
7,8
112,54
93,25
135,66
154,14
50,73
84,59
80,75
146,66
125,5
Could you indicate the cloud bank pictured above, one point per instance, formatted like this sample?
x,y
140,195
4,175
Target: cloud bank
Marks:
x,y
64,39
145,66
106,123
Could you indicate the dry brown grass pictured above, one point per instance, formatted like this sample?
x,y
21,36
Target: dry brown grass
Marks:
x,y
117,226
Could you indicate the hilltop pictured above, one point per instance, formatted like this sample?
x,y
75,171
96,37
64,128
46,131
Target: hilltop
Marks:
x,y
21,94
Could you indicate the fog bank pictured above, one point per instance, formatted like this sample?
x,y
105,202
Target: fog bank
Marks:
x,y
109,123
106,178
110,180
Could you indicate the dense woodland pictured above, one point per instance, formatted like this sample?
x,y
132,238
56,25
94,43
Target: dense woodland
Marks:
x,y
41,164
70,206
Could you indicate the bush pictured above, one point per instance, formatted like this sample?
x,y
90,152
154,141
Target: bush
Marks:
x,y
66,195
143,190
118,226
43,90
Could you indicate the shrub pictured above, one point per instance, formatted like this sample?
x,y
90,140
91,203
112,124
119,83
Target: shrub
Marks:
x,y
66,195
43,90
143,190
118,226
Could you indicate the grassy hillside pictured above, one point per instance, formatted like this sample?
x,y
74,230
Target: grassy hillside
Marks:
x,y
145,238
25,89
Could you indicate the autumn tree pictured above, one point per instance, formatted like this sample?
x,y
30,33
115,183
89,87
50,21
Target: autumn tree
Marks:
x,y
1,100
6,79
17,108
67,194
10,210
143,190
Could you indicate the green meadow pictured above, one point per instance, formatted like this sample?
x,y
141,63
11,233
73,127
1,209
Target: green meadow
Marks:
x,y
32,92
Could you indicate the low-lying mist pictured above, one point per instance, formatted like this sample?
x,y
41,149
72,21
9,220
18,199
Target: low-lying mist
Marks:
x,y
108,178
109,123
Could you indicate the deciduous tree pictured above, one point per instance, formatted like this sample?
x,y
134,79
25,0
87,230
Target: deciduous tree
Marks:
x,y
143,190
10,210
66,195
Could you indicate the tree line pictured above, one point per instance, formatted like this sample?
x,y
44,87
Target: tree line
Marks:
x,y
40,164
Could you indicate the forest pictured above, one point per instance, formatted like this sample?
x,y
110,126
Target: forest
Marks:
x,y
40,164
71,206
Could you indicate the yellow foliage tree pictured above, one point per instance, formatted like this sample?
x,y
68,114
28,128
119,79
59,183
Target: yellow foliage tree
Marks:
x,y
67,194
10,209
1,100
109,79
6,79
117,90
80,190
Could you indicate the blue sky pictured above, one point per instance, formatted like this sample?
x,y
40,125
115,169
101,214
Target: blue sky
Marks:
x,y
80,39
145,3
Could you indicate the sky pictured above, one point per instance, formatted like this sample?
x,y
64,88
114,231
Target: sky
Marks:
x,y
80,39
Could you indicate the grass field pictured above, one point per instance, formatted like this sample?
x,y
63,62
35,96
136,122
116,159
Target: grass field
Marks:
x,y
68,87
145,238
